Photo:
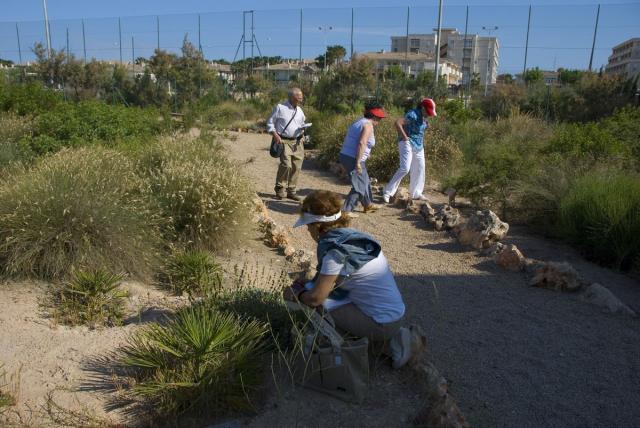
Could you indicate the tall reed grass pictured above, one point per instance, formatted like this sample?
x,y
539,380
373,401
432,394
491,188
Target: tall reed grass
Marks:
x,y
601,215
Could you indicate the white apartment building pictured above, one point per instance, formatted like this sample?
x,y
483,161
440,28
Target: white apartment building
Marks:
x,y
412,64
625,59
475,54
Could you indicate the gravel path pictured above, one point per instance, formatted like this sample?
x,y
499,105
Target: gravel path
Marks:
x,y
514,355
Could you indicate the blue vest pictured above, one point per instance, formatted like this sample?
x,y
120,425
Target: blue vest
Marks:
x,y
354,248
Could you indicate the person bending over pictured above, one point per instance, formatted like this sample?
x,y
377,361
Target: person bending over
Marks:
x,y
354,282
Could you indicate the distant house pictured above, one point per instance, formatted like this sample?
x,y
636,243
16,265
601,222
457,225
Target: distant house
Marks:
x,y
223,70
285,72
413,63
551,78
625,59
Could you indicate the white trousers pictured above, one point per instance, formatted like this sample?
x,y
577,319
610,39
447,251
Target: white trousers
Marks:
x,y
412,163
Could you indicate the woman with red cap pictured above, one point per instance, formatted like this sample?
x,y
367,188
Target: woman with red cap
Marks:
x,y
356,148
411,130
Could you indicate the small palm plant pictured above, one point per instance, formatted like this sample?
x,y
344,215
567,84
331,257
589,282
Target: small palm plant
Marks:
x,y
92,298
195,273
200,361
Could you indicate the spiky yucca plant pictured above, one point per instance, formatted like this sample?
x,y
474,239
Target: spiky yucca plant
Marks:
x,y
199,362
91,297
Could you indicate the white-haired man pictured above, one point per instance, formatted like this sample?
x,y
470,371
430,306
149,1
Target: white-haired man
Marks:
x,y
286,127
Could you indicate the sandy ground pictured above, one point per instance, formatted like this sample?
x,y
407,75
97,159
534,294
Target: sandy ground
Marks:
x,y
515,356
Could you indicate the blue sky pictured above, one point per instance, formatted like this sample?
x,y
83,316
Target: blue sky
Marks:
x,y
560,36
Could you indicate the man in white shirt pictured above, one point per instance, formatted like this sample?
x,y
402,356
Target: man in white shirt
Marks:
x,y
286,127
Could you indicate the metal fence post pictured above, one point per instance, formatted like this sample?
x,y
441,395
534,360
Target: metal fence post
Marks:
x,y
199,36
466,82
526,45
84,43
351,56
120,38
19,48
595,33
406,48
300,40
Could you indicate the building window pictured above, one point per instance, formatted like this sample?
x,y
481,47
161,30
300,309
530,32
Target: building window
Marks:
x,y
415,43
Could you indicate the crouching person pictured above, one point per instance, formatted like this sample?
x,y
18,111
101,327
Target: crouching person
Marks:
x,y
354,282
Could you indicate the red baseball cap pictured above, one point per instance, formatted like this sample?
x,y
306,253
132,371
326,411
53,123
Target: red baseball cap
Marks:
x,y
429,105
377,112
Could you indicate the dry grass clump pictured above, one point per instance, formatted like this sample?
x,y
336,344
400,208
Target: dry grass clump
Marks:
x,y
90,298
201,192
83,208
195,273
200,361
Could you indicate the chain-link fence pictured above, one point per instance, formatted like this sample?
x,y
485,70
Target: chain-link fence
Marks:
x,y
550,37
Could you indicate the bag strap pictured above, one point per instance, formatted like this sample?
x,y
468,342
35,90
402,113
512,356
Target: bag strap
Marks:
x,y
290,120
320,324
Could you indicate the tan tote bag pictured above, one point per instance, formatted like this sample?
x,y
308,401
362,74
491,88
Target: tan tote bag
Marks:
x,y
326,362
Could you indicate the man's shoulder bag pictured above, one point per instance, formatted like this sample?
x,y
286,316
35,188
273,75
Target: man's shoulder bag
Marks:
x,y
326,362
275,149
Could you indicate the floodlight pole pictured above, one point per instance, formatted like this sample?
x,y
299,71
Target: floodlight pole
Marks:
x,y
438,41
47,30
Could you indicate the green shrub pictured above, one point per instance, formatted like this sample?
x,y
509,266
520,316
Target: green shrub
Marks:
x,y
14,134
29,99
204,195
615,139
91,122
82,208
230,114
194,273
498,156
601,215
90,298
200,362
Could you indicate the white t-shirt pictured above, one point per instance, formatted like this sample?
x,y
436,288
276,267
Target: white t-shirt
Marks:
x,y
372,289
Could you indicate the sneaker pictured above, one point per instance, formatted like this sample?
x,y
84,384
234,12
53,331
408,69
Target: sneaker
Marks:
x,y
350,214
294,197
386,198
280,195
420,198
400,346
371,208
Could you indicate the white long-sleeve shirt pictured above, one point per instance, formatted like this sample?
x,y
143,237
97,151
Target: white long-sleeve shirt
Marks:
x,y
281,115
